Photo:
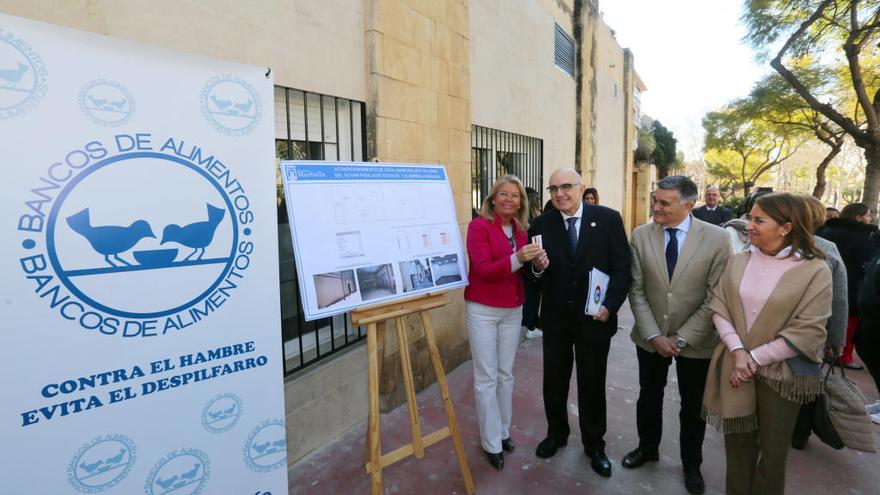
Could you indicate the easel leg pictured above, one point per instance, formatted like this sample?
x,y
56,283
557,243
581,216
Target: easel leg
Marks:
x,y
447,404
373,443
406,368
380,338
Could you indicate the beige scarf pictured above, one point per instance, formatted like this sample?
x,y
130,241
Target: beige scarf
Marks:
x,y
796,310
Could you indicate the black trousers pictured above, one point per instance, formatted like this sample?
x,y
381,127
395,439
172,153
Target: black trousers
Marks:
x,y
691,372
564,347
531,305
867,340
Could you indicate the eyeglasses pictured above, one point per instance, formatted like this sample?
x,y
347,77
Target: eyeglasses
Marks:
x,y
507,195
567,187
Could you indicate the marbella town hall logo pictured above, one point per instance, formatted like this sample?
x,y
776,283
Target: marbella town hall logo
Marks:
x,y
138,236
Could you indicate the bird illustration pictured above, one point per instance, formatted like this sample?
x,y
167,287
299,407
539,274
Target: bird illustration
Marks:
x,y
99,102
166,484
116,458
118,104
90,468
261,447
110,240
280,443
13,76
221,104
191,473
196,235
230,410
244,107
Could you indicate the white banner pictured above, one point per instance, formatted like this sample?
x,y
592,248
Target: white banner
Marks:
x,y
367,233
139,305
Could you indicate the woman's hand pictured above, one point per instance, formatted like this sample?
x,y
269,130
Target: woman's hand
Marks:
x,y
744,368
529,252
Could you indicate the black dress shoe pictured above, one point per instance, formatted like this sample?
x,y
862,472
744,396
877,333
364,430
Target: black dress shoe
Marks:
x,y
798,442
548,447
693,481
600,463
638,457
507,444
496,460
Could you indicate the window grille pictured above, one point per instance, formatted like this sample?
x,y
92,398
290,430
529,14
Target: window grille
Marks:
x,y
311,126
564,52
495,153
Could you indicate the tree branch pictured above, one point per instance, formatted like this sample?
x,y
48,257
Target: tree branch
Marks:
x,y
852,49
825,109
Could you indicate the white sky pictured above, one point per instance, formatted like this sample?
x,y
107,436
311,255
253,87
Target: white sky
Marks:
x,y
689,55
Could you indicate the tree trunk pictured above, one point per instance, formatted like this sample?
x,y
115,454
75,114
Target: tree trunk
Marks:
x,y
872,178
819,190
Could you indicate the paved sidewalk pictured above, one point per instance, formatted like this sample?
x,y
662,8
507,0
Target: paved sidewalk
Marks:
x,y
338,467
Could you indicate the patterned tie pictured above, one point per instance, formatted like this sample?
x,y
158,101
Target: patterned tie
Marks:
x,y
572,233
671,252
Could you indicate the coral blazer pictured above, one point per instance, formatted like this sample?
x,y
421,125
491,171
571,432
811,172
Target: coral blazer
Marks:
x,y
491,282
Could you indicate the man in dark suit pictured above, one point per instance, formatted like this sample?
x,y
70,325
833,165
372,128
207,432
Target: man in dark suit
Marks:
x,y
577,238
712,212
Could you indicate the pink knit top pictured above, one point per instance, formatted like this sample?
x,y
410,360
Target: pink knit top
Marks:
x,y
760,277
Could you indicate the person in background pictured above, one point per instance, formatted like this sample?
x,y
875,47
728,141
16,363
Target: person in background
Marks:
x,y
770,308
533,294
867,339
591,196
736,228
831,212
712,212
851,233
498,248
836,326
677,260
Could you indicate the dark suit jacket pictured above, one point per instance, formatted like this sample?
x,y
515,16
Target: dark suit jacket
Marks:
x,y
717,217
602,244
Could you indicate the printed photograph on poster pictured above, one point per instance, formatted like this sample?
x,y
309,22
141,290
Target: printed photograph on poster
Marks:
x,y
393,225
335,287
416,275
376,281
446,269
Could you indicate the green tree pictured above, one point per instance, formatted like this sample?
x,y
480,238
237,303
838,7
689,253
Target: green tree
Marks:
x,y
664,154
840,36
741,145
777,103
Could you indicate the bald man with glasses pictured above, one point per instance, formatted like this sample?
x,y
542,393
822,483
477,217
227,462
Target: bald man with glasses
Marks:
x,y
578,237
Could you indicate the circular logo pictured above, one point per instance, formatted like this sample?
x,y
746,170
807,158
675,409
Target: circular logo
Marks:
x,y
221,413
182,472
117,242
266,446
22,76
231,105
101,463
597,295
106,103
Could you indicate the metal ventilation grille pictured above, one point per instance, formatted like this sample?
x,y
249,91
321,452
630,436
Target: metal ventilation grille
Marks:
x,y
563,48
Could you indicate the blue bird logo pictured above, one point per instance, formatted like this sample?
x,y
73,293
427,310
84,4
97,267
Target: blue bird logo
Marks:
x,y
196,235
110,240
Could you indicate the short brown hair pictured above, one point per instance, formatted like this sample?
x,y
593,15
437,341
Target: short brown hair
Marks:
x,y
786,208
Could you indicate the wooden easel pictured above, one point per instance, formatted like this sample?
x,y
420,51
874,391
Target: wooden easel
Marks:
x,y
374,318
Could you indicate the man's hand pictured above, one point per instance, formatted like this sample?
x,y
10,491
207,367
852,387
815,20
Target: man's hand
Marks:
x,y
602,314
541,262
528,253
665,346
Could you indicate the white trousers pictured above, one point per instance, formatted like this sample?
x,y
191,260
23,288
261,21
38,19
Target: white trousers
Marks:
x,y
494,336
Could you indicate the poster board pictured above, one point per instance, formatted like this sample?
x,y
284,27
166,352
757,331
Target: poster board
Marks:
x,y
368,233
140,307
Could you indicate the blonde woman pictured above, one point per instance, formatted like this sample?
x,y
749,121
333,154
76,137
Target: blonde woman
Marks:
x,y
498,248
770,309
